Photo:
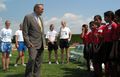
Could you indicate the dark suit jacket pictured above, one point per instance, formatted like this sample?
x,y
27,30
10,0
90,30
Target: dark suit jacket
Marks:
x,y
32,33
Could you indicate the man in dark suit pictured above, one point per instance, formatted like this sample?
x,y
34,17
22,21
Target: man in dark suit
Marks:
x,y
33,33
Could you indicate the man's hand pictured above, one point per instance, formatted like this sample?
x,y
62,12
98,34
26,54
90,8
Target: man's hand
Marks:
x,y
31,45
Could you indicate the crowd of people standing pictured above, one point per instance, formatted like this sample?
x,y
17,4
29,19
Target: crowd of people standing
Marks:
x,y
31,36
102,43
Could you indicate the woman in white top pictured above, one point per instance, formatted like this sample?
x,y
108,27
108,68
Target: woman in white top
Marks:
x,y
6,35
65,37
52,43
20,46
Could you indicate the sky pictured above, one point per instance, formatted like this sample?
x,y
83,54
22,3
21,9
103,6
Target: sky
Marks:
x,y
74,12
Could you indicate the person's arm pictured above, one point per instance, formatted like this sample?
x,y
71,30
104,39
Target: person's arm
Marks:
x,y
26,27
47,36
16,41
1,35
59,33
56,37
70,35
83,33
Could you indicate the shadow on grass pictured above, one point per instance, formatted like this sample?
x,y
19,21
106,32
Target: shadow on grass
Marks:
x,y
15,75
72,72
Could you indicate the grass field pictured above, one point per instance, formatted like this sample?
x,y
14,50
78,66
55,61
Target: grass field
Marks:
x,y
53,70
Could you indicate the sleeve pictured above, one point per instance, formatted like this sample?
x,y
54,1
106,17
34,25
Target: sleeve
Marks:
x,y
69,30
25,31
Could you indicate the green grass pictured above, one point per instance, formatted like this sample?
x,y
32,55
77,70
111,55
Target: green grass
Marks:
x,y
76,38
53,70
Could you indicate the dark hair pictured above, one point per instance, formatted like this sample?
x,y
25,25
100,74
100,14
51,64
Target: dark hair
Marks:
x,y
84,25
36,6
93,23
117,12
21,25
98,16
109,14
51,25
7,21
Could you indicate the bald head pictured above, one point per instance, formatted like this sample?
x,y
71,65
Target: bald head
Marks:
x,y
38,9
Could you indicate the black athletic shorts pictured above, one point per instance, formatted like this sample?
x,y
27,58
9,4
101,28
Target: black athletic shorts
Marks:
x,y
64,43
52,46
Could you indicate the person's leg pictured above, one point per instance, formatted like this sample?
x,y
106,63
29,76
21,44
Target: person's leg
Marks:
x,y
8,51
67,54
118,60
22,55
88,64
55,46
56,56
97,69
7,60
17,58
22,58
3,60
50,48
19,53
49,56
66,45
62,46
118,70
113,69
38,61
3,49
62,55
31,62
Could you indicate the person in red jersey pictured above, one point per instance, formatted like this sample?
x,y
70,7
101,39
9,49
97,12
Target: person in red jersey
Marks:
x,y
98,20
117,19
100,48
86,42
110,36
95,41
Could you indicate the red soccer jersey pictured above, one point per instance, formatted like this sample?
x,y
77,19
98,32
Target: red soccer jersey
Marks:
x,y
85,38
110,32
100,29
94,36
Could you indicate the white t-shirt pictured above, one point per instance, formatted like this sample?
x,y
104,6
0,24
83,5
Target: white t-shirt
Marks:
x,y
6,35
64,33
51,35
20,35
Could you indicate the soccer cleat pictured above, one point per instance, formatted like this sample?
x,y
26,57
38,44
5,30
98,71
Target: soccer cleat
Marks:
x,y
24,65
49,62
57,62
15,65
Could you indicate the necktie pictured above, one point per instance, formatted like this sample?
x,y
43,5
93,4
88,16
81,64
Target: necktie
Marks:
x,y
40,23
